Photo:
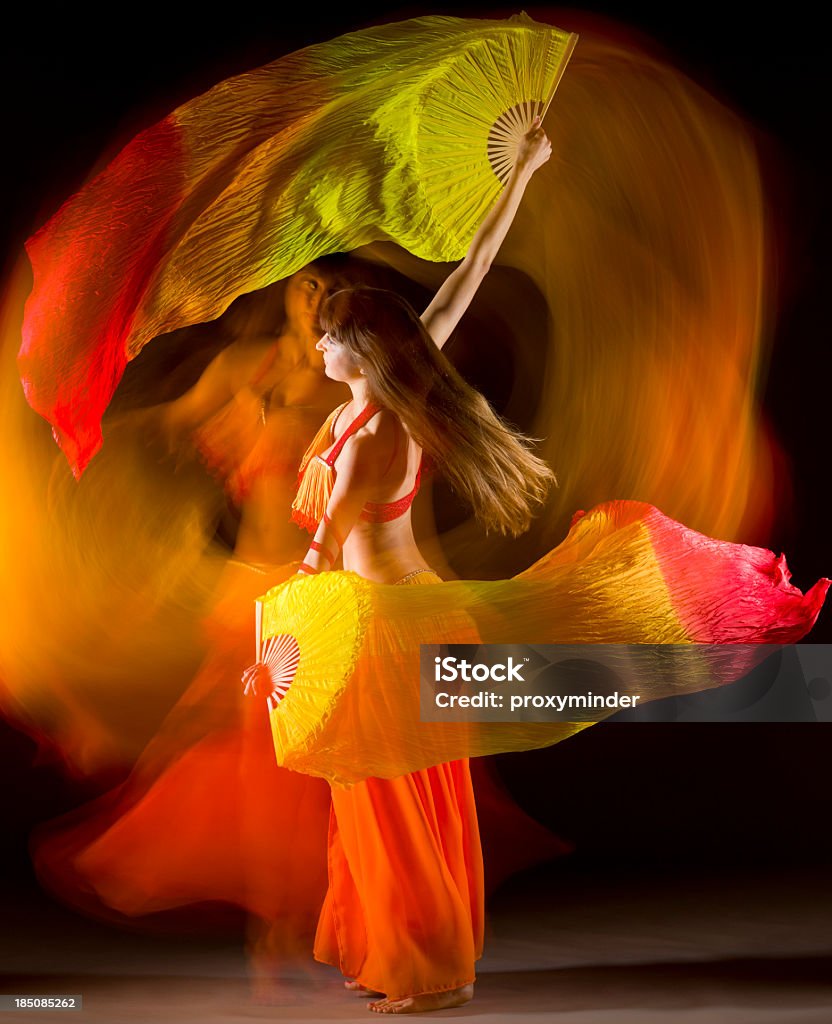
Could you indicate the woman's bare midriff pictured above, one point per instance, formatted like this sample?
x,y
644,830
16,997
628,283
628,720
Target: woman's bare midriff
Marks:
x,y
383,552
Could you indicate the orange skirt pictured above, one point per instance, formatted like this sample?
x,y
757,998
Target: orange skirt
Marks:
x,y
404,912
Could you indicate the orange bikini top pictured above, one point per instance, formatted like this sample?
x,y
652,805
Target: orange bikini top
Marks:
x,y
317,476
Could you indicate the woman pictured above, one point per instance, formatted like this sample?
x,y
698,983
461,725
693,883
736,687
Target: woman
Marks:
x,y
367,512
423,959
250,416
253,411
403,914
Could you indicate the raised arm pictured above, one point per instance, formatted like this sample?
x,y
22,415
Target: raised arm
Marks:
x,y
455,295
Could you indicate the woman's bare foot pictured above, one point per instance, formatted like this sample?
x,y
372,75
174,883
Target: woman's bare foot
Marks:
x,y
429,1001
356,986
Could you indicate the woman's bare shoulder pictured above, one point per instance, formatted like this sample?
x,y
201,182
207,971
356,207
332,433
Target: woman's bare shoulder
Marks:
x,y
385,427
381,439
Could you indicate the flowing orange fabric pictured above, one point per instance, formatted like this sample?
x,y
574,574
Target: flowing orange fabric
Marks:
x,y
627,324
404,911
625,574
206,816
635,305
247,833
326,149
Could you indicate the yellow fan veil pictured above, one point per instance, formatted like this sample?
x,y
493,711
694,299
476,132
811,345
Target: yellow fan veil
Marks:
x,y
632,289
401,132
625,574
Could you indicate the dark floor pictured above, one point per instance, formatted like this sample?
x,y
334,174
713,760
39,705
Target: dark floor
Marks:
x,y
565,943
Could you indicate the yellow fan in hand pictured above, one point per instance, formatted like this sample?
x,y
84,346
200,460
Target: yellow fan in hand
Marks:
x,y
309,635
403,132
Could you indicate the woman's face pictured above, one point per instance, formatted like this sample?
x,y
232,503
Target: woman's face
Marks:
x,y
305,291
339,362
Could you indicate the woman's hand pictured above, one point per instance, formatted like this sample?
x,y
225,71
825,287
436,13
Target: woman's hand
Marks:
x,y
459,288
535,148
258,680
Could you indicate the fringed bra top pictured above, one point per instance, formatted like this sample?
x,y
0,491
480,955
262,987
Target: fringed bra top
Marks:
x,y
317,476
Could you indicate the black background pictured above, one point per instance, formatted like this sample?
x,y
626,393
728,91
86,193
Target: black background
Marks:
x,y
76,87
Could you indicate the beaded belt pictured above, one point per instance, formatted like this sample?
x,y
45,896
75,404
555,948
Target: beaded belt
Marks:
x,y
410,575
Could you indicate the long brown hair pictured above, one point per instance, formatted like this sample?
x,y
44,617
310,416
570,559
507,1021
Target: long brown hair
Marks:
x,y
484,459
